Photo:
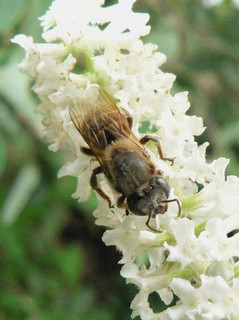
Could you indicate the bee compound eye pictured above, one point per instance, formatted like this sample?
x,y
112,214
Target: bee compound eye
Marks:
x,y
160,181
164,185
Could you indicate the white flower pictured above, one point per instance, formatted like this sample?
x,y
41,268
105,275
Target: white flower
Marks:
x,y
219,246
188,248
214,299
192,257
79,22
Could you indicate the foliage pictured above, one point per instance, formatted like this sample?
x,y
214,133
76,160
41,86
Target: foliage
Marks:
x,y
53,264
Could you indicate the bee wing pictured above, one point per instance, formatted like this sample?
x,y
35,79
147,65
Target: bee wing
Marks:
x,y
79,110
101,123
99,120
105,98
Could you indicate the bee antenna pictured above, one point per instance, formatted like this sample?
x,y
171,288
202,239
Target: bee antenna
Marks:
x,y
174,200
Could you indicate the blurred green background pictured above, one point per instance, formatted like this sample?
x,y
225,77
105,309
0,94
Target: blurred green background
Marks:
x,y
53,264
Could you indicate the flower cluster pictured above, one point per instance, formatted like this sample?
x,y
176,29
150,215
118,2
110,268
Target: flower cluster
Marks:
x,y
191,265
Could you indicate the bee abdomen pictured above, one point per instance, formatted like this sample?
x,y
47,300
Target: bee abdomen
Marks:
x,y
128,170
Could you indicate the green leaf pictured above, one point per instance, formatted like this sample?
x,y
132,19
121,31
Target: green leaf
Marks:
x,y
3,154
10,12
15,87
20,193
230,133
71,263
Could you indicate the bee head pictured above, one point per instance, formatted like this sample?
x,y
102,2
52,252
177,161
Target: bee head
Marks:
x,y
148,200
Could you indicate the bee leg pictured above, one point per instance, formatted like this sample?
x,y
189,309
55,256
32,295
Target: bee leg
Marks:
x,y
148,138
87,151
121,204
129,118
147,222
94,185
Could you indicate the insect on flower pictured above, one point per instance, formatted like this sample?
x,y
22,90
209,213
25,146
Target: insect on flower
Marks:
x,y
124,160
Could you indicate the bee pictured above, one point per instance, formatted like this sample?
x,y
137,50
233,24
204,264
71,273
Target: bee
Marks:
x,y
123,159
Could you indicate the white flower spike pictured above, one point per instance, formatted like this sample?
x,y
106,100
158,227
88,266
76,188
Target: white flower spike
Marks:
x,y
192,263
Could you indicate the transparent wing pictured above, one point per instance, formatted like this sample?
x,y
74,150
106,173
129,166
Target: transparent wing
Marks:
x,y
99,120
